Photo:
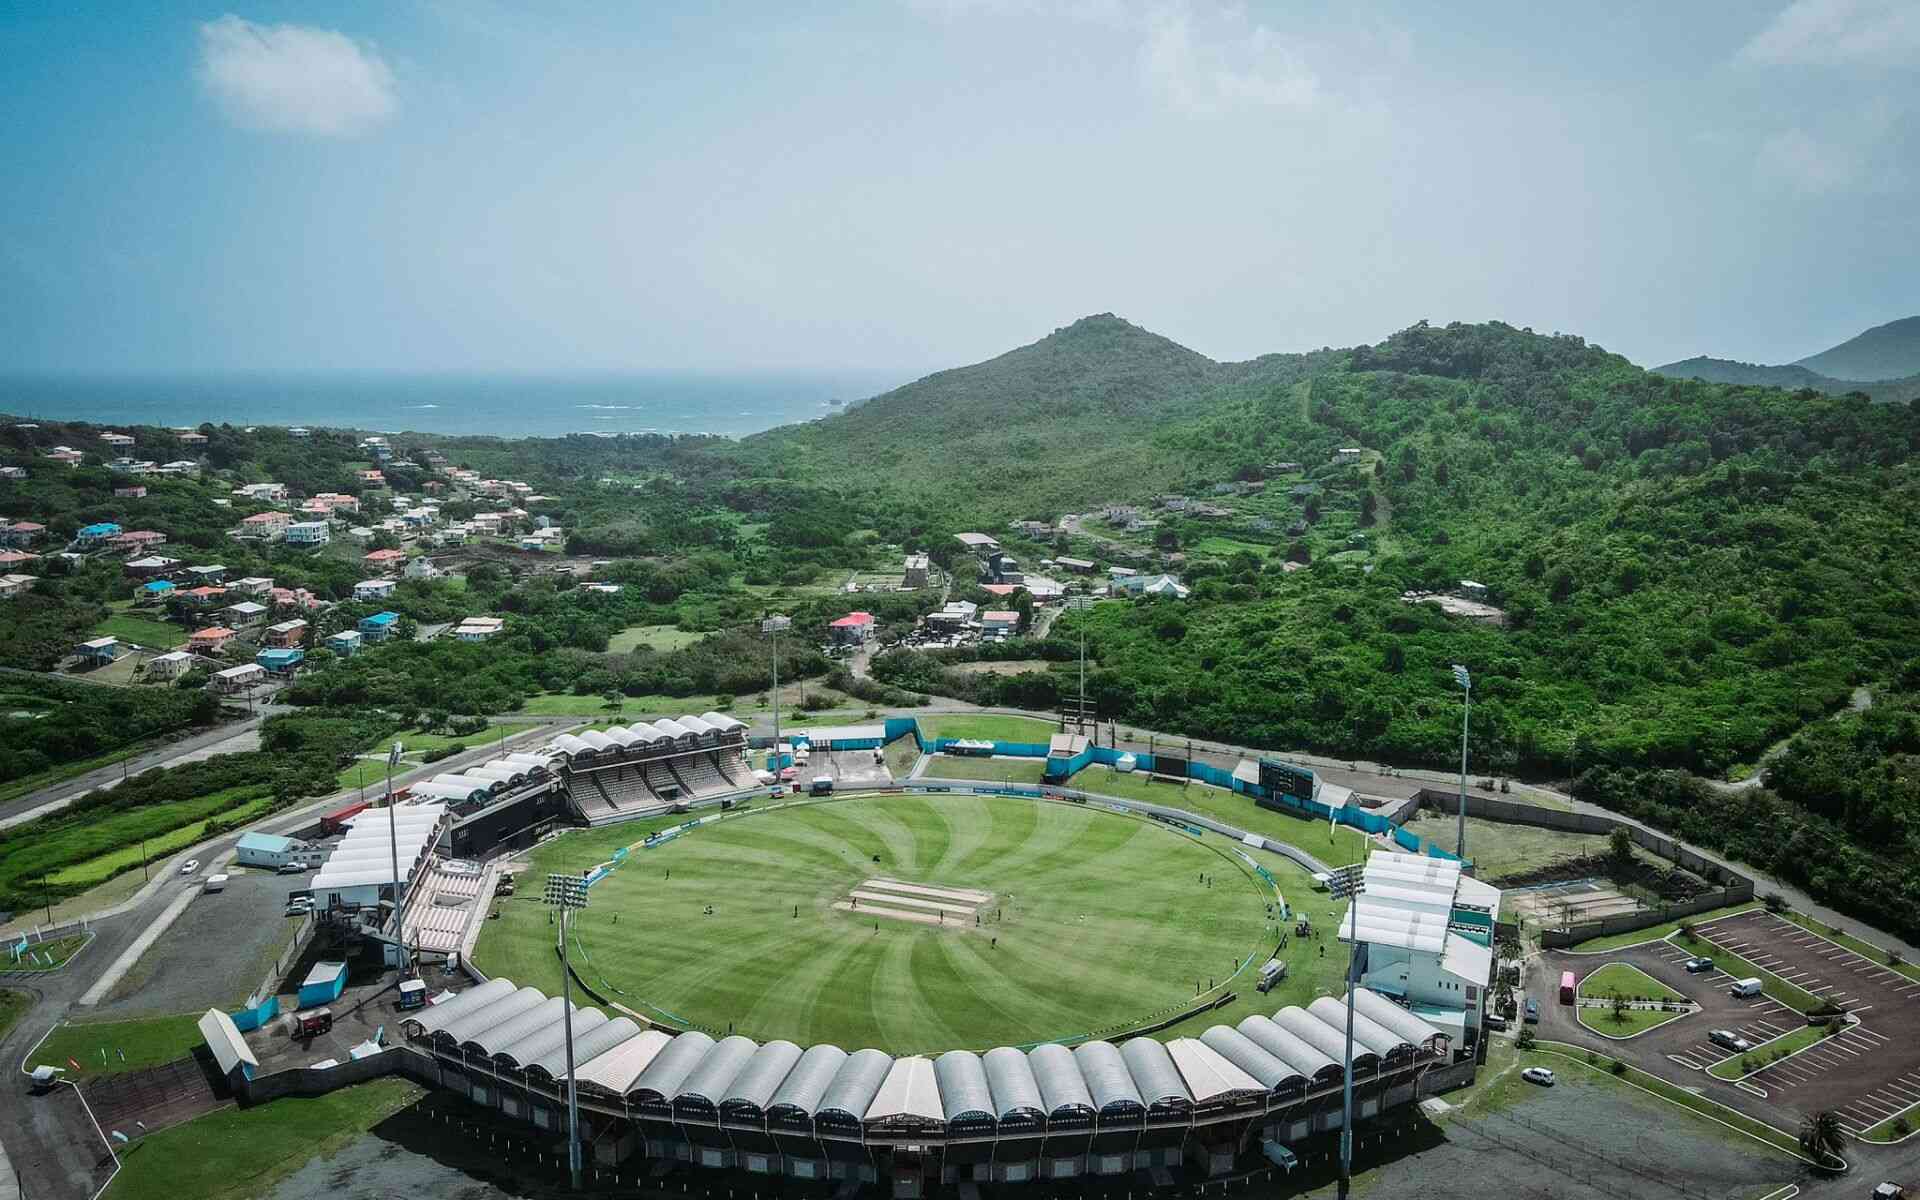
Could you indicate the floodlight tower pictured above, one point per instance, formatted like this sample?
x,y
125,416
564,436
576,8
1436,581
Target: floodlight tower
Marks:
x,y
1465,680
568,893
772,626
393,847
1348,883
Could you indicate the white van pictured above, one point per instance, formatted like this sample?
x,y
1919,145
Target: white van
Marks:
x,y
215,883
1744,987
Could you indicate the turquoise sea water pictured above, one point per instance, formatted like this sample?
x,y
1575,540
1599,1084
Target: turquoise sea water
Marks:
x,y
501,405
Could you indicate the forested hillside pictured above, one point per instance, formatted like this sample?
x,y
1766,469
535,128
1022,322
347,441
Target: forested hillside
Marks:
x,y
1887,351
1792,378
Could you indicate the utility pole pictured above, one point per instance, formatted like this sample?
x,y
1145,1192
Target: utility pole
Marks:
x,y
567,893
1349,882
1465,680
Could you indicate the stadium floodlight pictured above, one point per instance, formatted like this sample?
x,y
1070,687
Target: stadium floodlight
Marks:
x,y
1462,677
771,625
393,847
568,893
1348,882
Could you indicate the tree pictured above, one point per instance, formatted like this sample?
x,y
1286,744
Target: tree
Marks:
x,y
1822,1136
1619,1008
1368,509
1620,850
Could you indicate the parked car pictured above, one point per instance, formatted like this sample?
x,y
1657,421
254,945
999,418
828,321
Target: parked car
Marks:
x,y
1494,1021
190,866
1533,1011
1697,965
1889,1191
1727,1039
294,868
1539,1075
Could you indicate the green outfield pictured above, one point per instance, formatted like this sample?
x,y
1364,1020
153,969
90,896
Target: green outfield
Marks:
x,y
1088,921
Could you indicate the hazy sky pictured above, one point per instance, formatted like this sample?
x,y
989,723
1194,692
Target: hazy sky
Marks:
x,y
919,183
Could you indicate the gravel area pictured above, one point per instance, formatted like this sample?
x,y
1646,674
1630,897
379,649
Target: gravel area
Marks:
x,y
214,954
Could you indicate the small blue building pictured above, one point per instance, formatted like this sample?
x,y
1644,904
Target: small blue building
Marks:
x,y
379,626
323,984
93,535
346,643
158,587
280,662
99,650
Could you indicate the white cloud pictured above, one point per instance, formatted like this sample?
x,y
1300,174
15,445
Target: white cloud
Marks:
x,y
1839,32
294,79
1808,163
1207,62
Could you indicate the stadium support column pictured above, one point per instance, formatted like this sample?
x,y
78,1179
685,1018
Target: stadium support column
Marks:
x,y
1349,882
1465,680
567,893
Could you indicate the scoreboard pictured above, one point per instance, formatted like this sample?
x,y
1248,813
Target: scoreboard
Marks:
x,y
1284,779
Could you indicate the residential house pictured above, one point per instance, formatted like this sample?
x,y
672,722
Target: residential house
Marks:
x,y
1042,589
15,585
385,561
157,589
299,433
97,534
1348,454
336,502
379,626
238,679
137,491
478,629
205,596
265,493
13,560
852,629
287,634
454,535
117,440
421,568
1003,620
309,533
954,613
978,543
170,665
1003,590
133,466
98,650
543,539
67,455
1282,468
269,524
150,567
1039,531
252,585
211,573
281,661
209,640
346,643
1153,585
190,437
247,612
22,533
371,477
373,589
1469,590
180,466
13,472
604,589
1079,566
299,599
916,571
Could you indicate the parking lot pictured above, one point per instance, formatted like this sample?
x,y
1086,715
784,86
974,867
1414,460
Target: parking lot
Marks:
x,y
1866,1073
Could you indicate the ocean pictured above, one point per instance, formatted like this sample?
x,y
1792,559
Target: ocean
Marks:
x,y
503,405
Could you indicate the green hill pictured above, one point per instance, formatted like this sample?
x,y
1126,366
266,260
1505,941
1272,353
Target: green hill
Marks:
x,y
1791,378
1890,351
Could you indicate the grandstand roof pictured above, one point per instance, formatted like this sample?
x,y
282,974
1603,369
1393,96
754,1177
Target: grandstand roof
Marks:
x,y
1062,1087
714,1073
1207,1073
910,1091
615,1070
961,1079
807,1083
593,1035
856,1083
1010,1075
671,1066
754,1086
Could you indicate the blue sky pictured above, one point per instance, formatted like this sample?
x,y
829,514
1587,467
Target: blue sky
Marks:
x,y
917,183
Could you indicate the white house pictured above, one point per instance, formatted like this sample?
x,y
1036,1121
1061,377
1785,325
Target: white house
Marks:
x,y
1426,931
373,589
421,568
478,629
170,665
1348,454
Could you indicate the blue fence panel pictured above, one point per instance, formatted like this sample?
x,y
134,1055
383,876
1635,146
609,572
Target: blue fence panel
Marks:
x,y
1208,773
248,1019
1022,749
901,727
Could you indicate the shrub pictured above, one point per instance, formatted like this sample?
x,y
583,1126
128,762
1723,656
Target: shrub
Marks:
x,y
1775,902
1618,1067
434,756
1525,1040
1901,1127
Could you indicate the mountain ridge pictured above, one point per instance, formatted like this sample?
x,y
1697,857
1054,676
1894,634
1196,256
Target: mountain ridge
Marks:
x,y
1890,351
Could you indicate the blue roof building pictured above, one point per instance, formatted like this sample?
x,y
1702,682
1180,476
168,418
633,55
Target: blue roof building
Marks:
x,y
378,626
97,533
280,661
346,643
157,587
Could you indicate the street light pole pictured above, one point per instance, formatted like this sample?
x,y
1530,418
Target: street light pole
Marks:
x,y
772,626
1465,680
1349,882
567,893
393,846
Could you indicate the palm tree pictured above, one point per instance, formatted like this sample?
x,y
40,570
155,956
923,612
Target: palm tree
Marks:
x,y
1821,1136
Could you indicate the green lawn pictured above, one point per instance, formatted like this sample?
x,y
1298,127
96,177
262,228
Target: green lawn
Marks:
x,y
55,953
99,1046
145,631
1651,933
1226,547
243,1152
416,742
1627,980
1890,1130
13,1006
1857,945
1630,1023
986,727
1096,921
154,831
1336,845
992,770
1767,1052
654,637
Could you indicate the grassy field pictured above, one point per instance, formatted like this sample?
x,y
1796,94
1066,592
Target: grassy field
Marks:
x,y
902,753
1224,547
1627,980
1337,845
991,770
13,1006
230,803
1498,849
45,956
1767,1052
1651,933
986,726
1097,922
654,637
1629,1023
1896,1127
237,1152
145,631
110,1047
